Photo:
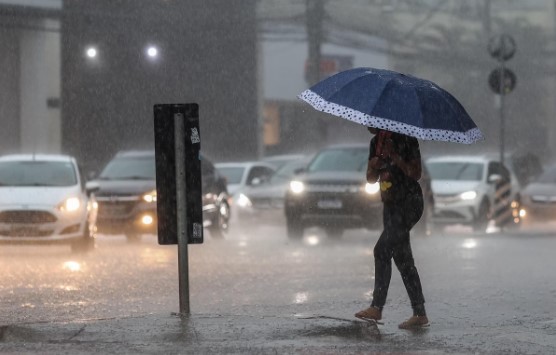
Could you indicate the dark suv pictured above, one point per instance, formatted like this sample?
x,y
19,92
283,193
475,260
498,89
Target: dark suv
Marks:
x,y
332,193
127,196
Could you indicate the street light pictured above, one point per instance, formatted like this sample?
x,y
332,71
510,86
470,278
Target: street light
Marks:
x,y
152,52
91,52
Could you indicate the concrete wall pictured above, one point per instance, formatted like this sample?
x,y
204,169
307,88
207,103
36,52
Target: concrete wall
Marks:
x,y
30,76
39,86
205,57
9,90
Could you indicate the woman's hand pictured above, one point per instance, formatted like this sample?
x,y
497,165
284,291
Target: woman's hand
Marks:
x,y
376,163
373,169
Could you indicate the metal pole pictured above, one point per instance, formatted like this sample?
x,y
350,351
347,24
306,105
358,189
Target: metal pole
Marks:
x,y
181,213
314,25
502,94
315,17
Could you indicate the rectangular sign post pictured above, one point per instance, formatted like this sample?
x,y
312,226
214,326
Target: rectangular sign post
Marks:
x,y
178,184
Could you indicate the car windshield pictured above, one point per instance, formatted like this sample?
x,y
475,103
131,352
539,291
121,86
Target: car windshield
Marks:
x,y
130,168
284,174
340,159
233,174
548,177
37,173
462,171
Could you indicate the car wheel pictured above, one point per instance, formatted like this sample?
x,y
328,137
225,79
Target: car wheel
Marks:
x,y
220,224
86,243
334,233
294,229
482,218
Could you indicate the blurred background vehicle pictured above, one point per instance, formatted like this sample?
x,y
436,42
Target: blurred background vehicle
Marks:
x,y
238,175
264,203
464,189
127,196
538,198
332,193
526,166
43,199
424,226
279,160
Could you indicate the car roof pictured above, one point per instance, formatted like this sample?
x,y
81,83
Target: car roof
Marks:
x,y
482,158
135,153
146,153
283,156
37,157
243,164
346,146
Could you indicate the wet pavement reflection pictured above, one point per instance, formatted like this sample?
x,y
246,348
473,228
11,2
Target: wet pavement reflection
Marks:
x,y
472,282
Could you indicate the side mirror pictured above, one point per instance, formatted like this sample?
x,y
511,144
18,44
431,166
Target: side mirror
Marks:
x,y
494,178
299,171
91,187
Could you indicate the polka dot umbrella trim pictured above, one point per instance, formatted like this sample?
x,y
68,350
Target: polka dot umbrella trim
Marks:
x,y
395,102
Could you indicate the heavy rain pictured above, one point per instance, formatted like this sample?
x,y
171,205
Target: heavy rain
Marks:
x,y
315,234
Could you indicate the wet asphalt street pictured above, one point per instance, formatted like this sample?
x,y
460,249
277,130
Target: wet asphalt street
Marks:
x,y
486,293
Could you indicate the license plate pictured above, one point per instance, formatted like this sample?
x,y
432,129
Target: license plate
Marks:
x,y
330,204
115,210
23,231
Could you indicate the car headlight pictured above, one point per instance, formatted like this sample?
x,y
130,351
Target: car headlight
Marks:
x,y
243,201
372,189
297,187
70,204
468,195
150,196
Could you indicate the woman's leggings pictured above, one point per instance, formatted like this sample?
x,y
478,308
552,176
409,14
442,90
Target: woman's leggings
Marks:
x,y
399,218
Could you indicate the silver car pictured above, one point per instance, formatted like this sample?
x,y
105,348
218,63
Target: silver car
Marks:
x,y
538,199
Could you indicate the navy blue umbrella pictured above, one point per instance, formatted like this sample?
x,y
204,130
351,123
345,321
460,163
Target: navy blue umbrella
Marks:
x,y
395,102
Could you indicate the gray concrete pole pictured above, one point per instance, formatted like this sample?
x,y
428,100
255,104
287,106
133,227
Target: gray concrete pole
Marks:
x,y
181,213
502,95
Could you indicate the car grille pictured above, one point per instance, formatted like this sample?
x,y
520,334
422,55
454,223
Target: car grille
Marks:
x,y
25,232
25,217
447,198
333,188
115,209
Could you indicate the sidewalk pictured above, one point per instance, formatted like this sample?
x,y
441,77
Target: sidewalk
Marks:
x,y
215,334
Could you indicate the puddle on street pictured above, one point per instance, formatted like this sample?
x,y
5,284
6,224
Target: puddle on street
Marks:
x,y
336,327
355,330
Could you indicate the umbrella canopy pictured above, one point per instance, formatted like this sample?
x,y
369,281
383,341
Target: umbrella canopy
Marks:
x,y
395,102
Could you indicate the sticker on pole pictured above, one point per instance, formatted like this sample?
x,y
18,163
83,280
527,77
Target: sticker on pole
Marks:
x,y
197,231
195,136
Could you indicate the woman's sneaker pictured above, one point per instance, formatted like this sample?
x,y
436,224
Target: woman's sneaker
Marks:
x,y
415,322
371,314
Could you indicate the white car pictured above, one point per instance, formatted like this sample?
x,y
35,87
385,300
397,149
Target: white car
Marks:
x,y
464,188
43,200
242,174
264,203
